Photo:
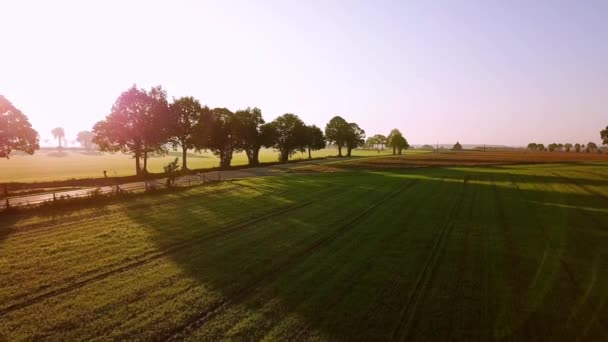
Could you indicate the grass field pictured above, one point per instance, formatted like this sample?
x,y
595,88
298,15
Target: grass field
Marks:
x,y
510,252
51,165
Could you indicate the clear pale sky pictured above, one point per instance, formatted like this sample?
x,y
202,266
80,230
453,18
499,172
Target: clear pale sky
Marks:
x,y
495,72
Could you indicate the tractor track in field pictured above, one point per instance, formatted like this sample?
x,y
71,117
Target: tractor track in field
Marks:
x,y
407,315
205,316
150,257
463,265
564,265
511,247
333,301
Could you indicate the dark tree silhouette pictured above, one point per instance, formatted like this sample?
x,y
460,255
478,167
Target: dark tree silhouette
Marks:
x,y
186,120
85,139
355,138
533,146
591,146
336,132
315,140
16,132
392,140
249,134
568,147
288,134
577,147
604,136
59,134
221,137
138,124
457,147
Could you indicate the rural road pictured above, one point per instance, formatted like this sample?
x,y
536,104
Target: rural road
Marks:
x,y
210,176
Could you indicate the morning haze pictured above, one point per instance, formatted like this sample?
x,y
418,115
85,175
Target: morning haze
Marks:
x,y
476,71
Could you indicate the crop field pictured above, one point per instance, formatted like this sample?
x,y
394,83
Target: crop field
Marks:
x,y
51,165
490,252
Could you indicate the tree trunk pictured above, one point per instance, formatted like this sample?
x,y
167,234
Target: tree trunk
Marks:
x,y
339,150
255,160
309,154
137,165
348,152
145,170
394,150
284,156
184,152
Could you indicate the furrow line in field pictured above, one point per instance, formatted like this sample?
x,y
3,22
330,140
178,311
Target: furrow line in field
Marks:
x,y
463,265
203,317
149,258
564,265
407,314
511,247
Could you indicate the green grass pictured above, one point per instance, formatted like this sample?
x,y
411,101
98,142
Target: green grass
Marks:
x,y
461,253
50,165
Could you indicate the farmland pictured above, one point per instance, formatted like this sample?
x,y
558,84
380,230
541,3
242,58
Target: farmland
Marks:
x,y
52,165
378,250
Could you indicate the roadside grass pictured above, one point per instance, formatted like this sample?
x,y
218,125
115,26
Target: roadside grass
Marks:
x,y
48,165
451,253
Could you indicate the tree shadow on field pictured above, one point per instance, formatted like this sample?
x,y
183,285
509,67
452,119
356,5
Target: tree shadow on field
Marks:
x,y
476,253
294,267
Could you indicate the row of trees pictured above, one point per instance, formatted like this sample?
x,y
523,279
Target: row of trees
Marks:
x,y
143,123
554,147
394,140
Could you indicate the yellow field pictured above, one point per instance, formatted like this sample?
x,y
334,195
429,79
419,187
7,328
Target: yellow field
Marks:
x,y
50,165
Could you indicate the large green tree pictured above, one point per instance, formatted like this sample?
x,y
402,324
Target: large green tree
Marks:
x,y
315,140
355,138
336,132
249,133
288,135
186,120
395,140
221,137
138,124
16,132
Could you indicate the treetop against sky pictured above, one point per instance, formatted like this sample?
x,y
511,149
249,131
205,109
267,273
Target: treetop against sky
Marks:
x,y
471,71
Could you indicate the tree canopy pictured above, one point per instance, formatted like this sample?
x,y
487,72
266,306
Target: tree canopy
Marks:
x,y
288,134
315,140
397,141
186,119
16,132
85,139
457,147
221,137
604,136
249,134
336,132
59,134
355,138
138,124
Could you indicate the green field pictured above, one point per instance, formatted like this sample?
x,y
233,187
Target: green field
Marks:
x,y
459,253
51,165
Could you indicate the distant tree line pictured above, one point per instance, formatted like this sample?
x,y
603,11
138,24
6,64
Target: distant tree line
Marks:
x,y
568,147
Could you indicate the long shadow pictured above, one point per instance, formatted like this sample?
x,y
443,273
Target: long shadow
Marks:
x,y
254,264
341,254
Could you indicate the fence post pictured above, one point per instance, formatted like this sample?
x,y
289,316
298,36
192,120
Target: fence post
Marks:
x,y
54,197
8,205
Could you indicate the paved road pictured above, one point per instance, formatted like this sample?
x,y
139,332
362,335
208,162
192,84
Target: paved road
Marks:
x,y
208,176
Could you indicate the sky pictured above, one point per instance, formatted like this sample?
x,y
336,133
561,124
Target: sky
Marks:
x,y
478,72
